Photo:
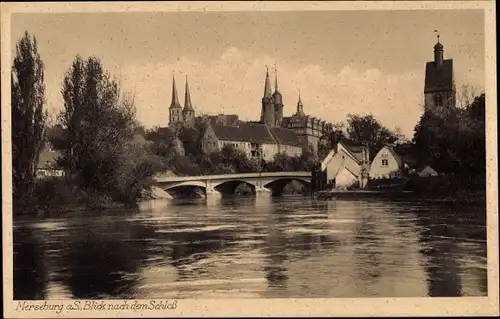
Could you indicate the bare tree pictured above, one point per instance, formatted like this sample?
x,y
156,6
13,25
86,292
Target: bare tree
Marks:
x,y
466,95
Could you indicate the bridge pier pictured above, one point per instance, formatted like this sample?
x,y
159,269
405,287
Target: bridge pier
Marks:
x,y
261,191
211,192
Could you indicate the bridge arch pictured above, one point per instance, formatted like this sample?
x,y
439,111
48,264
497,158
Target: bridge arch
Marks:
x,y
185,184
277,185
230,186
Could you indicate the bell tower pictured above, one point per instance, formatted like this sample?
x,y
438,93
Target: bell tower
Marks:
x,y
439,90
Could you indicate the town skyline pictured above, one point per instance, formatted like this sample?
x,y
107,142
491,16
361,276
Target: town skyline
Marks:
x,y
368,67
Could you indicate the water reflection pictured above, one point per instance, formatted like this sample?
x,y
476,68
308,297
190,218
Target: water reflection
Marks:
x,y
252,247
102,259
30,272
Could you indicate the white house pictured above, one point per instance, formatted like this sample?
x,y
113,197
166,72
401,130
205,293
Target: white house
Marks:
x,y
387,163
346,164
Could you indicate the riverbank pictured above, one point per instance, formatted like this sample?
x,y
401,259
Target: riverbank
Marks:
x,y
459,197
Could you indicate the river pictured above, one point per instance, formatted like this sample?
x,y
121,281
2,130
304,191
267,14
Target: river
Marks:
x,y
289,247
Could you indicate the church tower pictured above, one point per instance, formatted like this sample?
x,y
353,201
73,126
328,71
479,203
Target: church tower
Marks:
x,y
267,115
188,111
175,110
278,101
439,90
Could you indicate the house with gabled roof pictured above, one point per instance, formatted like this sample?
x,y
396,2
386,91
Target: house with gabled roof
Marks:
x,y
346,164
386,164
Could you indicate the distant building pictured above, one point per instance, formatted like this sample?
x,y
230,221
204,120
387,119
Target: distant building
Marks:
x,y
308,128
256,140
426,171
220,119
346,164
47,165
439,88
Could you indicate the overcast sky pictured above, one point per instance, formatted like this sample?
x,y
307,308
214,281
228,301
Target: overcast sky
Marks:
x,y
342,61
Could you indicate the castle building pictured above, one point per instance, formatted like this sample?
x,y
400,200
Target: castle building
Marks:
x,y
439,90
178,115
308,129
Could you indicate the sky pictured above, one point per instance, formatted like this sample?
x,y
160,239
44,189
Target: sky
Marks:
x,y
361,62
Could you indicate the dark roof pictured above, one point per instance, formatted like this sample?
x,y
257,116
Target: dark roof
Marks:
x,y
221,119
439,79
285,121
285,136
355,149
244,132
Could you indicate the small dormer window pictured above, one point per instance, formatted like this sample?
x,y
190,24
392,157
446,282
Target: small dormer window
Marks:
x,y
385,162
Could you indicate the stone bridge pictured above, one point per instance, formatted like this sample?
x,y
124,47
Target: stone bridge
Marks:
x,y
270,183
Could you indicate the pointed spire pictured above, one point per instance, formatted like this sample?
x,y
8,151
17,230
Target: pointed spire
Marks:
x,y
175,98
187,98
275,79
300,106
267,88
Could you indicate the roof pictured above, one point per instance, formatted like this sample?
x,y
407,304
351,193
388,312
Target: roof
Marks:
x,y
439,79
355,149
244,132
221,119
285,120
285,136
48,159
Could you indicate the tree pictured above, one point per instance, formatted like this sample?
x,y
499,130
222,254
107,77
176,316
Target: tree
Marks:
x,y
466,95
453,142
330,139
366,130
28,116
100,123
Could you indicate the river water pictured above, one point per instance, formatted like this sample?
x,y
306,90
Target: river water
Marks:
x,y
289,247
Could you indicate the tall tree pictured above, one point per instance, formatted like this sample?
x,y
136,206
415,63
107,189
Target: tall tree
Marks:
x,y
367,130
28,115
100,123
329,139
454,142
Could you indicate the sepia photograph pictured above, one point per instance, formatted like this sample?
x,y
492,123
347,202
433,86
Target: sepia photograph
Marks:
x,y
156,156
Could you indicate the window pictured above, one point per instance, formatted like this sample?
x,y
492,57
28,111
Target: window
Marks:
x,y
385,162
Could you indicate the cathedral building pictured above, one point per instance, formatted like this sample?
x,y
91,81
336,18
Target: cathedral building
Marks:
x,y
439,90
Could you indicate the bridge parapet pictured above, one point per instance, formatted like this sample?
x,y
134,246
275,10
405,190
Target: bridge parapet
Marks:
x,y
159,178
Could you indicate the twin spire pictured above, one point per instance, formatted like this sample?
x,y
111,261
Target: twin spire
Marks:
x,y
175,98
268,91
